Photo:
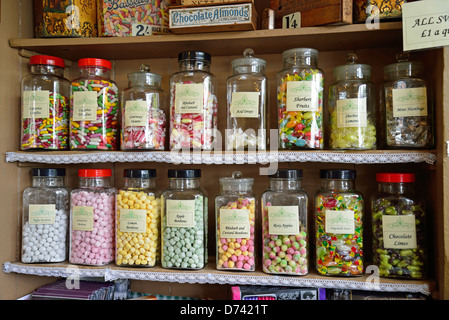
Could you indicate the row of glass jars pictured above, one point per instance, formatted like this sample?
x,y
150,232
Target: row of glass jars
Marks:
x,y
84,114
136,223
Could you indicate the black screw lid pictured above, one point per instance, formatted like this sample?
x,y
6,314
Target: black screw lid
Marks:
x,y
194,55
346,174
288,174
188,173
48,172
139,173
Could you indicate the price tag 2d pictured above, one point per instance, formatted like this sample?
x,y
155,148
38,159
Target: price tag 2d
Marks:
x,y
291,21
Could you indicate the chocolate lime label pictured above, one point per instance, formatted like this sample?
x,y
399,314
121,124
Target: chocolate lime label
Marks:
x,y
399,232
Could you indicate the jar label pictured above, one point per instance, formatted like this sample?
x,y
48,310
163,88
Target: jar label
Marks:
x,y
85,106
189,98
301,96
41,213
399,231
136,113
234,223
36,104
410,102
351,113
283,220
339,222
83,218
245,104
180,213
133,220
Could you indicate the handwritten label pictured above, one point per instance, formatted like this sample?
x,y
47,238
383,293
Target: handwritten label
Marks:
x,y
301,96
189,98
83,218
234,223
399,232
85,106
351,113
340,222
41,213
36,104
245,104
425,24
133,220
136,113
283,220
410,102
180,213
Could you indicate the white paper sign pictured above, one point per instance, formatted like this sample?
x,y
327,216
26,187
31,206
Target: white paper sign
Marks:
x,y
425,24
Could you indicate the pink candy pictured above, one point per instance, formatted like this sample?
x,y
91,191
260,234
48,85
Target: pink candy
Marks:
x,y
96,245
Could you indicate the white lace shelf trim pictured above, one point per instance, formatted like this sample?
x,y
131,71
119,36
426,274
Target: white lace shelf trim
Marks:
x,y
205,277
224,158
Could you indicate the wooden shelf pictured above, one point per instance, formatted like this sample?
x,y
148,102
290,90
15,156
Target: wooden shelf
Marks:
x,y
327,38
209,275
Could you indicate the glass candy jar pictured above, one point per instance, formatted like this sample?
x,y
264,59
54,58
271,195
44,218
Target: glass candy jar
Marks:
x,y
45,105
143,112
406,102
92,219
193,104
352,107
339,212
184,221
284,225
235,219
138,220
94,107
247,118
300,87
45,217
399,227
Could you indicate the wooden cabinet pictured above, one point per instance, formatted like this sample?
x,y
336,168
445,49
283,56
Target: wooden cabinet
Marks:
x,y
377,47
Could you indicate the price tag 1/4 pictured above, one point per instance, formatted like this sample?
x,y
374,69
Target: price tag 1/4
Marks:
x,y
140,29
291,21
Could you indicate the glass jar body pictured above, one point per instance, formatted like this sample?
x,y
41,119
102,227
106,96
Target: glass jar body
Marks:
x,y
143,118
352,115
92,227
300,88
399,254
45,109
138,224
235,231
339,229
45,220
193,107
184,225
408,112
94,112
284,228
247,113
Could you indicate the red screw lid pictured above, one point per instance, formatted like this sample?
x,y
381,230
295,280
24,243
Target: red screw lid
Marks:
x,y
42,59
94,62
395,177
93,173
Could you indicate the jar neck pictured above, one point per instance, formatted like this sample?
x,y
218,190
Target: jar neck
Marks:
x,y
139,183
184,183
300,61
396,187
48,181
285,184
337,184
192,65
235,190
47,69
93,71
94,182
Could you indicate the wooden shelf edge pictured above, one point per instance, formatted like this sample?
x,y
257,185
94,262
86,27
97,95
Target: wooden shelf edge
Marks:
x,y
208,275
182,157
322,38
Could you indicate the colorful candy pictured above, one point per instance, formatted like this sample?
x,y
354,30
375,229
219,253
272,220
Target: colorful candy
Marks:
x,y
236,252
284,254
95,106
301,129
133,18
